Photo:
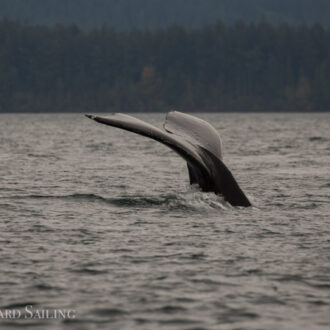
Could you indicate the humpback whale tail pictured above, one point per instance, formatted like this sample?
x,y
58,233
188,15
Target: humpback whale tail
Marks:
x,y
194,140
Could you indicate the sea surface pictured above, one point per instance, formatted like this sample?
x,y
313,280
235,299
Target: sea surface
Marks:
x,y
101,224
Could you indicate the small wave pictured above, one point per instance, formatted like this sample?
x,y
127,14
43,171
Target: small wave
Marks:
x,y
210,282
89,271
325,286
45,287
76,196
170,309
271,300
40,229
194,199
109,312
182,201
51,156
179,322
139,201
101,146
318,138
190,200
300,279
28,323
19,305
318,302
290,278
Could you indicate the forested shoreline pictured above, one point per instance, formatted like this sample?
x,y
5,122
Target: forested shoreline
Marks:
x,y
242,67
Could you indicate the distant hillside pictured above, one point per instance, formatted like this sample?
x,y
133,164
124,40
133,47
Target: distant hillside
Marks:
x,y
123,14
244,67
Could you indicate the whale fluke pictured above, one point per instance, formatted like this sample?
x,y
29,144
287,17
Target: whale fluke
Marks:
x,y
194,140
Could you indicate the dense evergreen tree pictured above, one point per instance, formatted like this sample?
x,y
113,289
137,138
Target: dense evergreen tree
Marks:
x,y
241,67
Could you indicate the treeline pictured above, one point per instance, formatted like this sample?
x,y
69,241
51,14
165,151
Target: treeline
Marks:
x,y
244,67
126,14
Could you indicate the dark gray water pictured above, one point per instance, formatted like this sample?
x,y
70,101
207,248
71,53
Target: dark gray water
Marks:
x,y
103,222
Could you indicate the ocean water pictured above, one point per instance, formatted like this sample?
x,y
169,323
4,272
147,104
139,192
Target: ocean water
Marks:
x,y
103,223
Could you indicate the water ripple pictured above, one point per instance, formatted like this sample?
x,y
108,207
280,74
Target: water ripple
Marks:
x,y
105,223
